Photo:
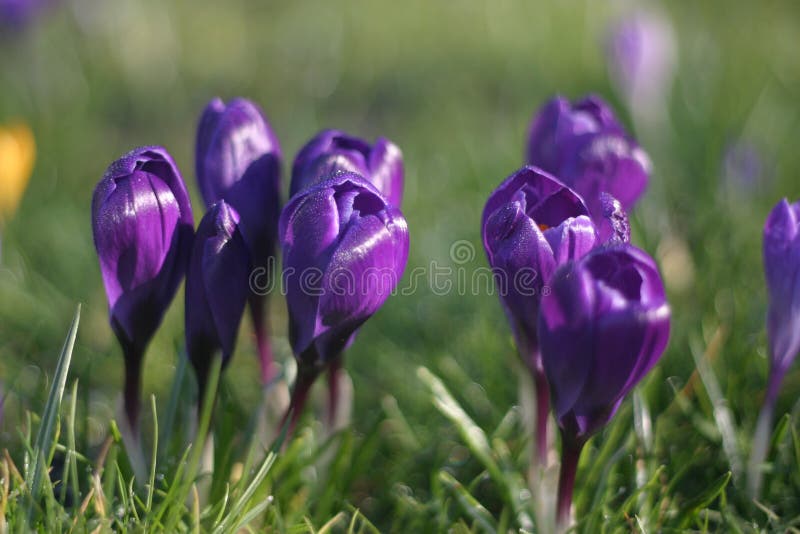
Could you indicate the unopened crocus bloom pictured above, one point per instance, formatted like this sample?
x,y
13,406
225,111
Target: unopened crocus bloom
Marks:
x,y
532,223
641,59
216,289
601,329
17,154
344,251
238,159
782,270
143,228
332,151
585,147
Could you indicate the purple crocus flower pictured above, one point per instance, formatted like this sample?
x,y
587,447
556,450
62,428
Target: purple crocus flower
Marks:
x,y
344,250
782,270
143,227
602,328
585,147
532,224
238,159
216,289
641,58
332,151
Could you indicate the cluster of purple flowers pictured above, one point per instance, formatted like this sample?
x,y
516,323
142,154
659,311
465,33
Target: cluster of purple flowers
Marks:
x,y
343,216
599,320
596,322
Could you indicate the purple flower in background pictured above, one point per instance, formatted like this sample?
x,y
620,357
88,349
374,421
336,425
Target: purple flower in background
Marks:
x,y
18,14
641,59
332,151
238,159
143,227
344,250
216,289
558,123
585,147
743,167
603,327
782,270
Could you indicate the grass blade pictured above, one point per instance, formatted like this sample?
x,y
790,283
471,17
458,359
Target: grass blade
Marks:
x,y
468,503
43,448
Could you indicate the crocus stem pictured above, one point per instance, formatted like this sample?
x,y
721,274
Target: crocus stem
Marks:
x,y
542,413
133,382
258,312
129,427
306,375
334,382
761,437
570,454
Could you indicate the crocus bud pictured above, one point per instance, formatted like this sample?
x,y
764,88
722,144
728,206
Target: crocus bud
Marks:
x,y
585,147
216,289
238,159
143,228
601,329
17,154
332,151
532,223
344,250
782,270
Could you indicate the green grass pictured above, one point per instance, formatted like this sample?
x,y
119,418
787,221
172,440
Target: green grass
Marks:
x,y
437,441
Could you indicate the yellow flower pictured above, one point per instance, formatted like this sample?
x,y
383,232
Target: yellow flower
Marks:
x,y
17,153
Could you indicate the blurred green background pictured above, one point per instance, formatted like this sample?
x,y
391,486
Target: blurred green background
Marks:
x,y
454,84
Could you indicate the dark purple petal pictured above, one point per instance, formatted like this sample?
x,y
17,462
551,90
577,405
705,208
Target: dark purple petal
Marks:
x,y
548,201
386,170
572,239
521,260
566,330
627,344
363,271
